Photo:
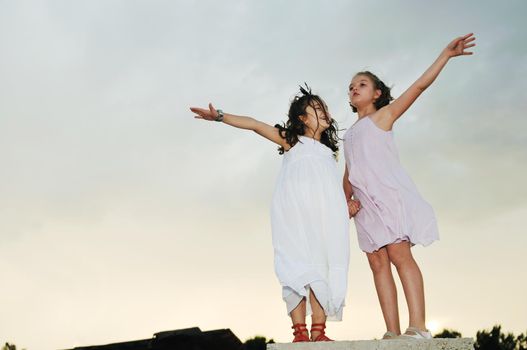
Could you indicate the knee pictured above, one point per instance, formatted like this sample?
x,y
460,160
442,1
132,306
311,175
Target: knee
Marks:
x,y
400,258
378,264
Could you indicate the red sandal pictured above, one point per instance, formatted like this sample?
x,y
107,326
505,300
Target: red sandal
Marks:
x,y
300,333
319,327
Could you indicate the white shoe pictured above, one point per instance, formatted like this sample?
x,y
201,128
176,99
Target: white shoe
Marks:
x,y
416,333
389,335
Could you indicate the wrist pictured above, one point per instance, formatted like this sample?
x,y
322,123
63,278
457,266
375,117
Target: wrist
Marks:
x,y
445,54
219,116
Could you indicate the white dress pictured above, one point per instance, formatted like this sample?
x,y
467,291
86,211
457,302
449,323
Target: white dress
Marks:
x,y
309,220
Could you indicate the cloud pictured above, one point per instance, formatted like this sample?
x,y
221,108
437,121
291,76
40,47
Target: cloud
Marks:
x,y
107,179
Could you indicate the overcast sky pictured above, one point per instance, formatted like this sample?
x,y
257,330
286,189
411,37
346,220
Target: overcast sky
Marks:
x,y
122,216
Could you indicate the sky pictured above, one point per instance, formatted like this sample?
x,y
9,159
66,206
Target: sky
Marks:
x,y
121,215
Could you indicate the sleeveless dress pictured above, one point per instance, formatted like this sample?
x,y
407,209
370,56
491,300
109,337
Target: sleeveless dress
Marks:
x,y
309,220
392,208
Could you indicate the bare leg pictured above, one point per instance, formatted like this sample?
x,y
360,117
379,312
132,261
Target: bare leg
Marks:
x,y
318,316
298,315
386,289
412,280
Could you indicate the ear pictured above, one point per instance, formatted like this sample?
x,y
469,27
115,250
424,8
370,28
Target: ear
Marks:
x,y
378,94
303,118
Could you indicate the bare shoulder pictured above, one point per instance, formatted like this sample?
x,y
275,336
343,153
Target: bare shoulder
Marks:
x,y
382,118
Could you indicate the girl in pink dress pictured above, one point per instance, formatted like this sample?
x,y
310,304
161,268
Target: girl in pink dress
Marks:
x,y
390,214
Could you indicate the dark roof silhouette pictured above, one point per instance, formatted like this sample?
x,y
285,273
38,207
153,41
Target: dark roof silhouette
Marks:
x,y
181,339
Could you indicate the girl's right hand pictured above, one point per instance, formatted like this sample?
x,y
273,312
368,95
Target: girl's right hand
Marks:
x,y
207,114
353,207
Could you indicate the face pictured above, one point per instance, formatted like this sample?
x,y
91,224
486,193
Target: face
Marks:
x,y
317,116
362,91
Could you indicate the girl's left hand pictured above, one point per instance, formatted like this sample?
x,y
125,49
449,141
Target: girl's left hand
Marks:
x,y
458,46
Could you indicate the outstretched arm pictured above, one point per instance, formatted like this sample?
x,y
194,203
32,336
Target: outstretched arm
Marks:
x,y
241,122
387,115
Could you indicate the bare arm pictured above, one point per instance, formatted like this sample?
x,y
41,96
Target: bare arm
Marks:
x,y
387,115
348,190
248,123
353,204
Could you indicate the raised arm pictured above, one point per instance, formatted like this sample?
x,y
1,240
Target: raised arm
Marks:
x,y
269,132
387,115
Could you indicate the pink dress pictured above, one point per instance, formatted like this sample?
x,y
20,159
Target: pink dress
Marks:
x,y
392,208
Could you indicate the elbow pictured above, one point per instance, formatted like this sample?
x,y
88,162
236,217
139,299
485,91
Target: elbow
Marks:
x,y
422,87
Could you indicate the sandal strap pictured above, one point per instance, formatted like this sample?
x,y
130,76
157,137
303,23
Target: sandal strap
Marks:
x,y
323,325
299,328
319,327
300,333
322,337
414,332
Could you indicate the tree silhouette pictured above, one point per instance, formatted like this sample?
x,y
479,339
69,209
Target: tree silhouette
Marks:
x,y
448,333
495,339
257,343
8,346
521,341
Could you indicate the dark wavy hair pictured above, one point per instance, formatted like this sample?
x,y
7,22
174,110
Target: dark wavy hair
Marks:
x,y
294,126
378,84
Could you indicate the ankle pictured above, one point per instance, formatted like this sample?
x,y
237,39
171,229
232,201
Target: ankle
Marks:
x,y
419,326
300,332
318,332
314,334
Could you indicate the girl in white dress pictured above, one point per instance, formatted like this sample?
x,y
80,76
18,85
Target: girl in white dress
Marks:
x,y
309,215
390,214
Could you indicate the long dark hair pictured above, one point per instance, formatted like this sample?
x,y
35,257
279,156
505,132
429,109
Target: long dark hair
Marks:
x,y
294,126
378,84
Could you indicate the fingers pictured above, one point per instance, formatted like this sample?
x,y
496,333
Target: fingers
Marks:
x,y
195,110
467,46
198,110
458,46
467,36
201,113
469,42
353,207
212,109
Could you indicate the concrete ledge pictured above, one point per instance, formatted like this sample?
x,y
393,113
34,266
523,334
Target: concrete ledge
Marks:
x,y
393,344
